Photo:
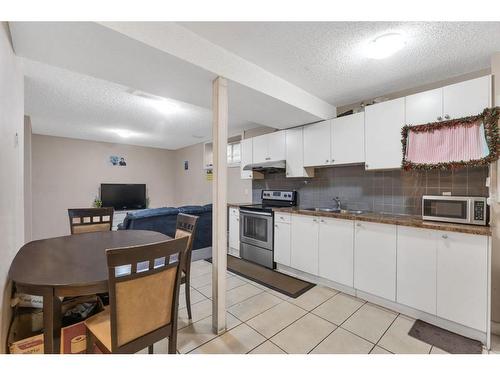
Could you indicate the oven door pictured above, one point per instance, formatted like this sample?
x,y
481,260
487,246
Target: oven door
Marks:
x,y
446,208
256,228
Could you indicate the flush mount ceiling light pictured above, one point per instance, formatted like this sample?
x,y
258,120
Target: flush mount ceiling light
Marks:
x,y
385,45
124,133
165,106
162,105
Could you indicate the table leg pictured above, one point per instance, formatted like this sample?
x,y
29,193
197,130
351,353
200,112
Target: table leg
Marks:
x,y
51,322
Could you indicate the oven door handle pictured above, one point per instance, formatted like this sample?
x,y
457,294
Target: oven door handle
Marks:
x,y
255,213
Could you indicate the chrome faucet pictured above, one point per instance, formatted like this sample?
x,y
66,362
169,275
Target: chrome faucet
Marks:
x,y
338,203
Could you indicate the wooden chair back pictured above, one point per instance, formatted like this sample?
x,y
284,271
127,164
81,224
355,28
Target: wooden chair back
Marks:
x,y
186,227
144,293
87,220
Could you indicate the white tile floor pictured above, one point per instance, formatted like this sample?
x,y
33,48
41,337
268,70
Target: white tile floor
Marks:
x,y
262,321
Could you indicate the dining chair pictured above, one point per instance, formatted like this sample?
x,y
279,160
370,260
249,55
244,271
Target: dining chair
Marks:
x,y
86,220
144,284
186,227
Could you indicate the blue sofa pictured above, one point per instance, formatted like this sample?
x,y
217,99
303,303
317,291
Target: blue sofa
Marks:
x,y
163,220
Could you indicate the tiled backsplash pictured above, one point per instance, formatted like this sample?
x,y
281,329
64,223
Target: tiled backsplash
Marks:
x,y
396,192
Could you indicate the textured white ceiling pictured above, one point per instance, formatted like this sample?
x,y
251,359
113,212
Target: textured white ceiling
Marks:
x,y
105,63
327,58
68,104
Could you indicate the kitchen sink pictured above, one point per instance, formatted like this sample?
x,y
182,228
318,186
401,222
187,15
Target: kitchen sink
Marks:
x,y
321,209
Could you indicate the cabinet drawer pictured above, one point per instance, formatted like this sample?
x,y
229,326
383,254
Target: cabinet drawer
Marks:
x,y
282,217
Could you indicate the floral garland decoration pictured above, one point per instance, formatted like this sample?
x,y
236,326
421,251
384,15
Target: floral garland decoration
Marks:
x,y
489,118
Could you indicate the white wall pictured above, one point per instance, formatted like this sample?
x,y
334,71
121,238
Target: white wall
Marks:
x,y
28,217
192,185
68,172
11,168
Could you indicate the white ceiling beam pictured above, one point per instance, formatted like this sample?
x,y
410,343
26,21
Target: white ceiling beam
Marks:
x,y
178,41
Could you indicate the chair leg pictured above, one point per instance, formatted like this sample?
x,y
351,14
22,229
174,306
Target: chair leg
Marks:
x,y
89,342
150,349
188,297
172,343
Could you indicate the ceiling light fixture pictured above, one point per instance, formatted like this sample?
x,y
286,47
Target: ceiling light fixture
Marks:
x,y
385,45
124,133
165,106
162,105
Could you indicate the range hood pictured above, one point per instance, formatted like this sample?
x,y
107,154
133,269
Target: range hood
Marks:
x,y
266,166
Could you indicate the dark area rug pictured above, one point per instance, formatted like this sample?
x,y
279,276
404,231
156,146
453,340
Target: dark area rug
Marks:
x,y
288,285
448,341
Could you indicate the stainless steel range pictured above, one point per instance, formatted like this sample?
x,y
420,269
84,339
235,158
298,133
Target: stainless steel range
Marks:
x,y
257,226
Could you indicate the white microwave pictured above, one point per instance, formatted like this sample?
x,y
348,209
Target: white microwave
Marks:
x,y
464,210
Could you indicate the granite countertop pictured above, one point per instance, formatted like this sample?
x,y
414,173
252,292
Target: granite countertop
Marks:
x,y
405,220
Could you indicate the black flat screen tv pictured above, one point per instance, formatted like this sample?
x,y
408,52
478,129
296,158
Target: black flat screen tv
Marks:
x,y
124,196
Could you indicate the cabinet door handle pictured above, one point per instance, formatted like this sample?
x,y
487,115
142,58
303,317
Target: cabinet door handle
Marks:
x,y
439,118
322,220
276,225
327,161
282,218
268,158
333,160
447,117
445,236
358,224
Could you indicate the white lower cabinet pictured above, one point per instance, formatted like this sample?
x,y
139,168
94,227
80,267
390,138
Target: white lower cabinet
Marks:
x,y
304,243
234,232
282,240
416,268
462,278
336,250
375,259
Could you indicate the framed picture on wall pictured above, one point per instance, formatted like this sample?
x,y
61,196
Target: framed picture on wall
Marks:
x,y
117,161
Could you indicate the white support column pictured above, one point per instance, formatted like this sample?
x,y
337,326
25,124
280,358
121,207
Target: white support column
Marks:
x,y
219,210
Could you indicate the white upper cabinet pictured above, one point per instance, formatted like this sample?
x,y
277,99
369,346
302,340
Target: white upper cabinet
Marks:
x,y
246,157
348,139
317,151
269,147
276,145
462,99
462,279
336,250
375,259
467,98
416,265
424,107
383,123
260,148
295,154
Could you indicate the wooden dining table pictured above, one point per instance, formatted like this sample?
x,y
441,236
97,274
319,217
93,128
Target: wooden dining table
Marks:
x,y
69,266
